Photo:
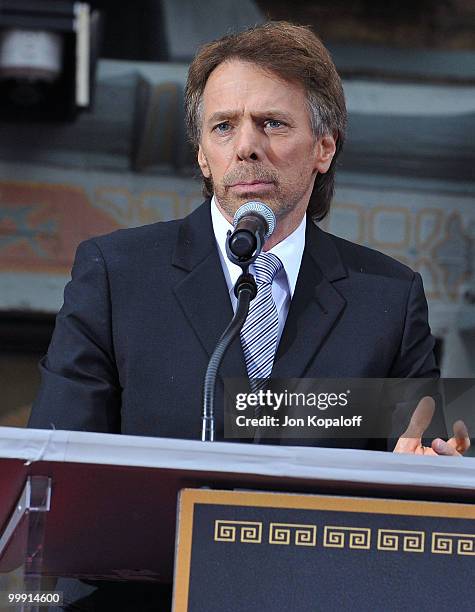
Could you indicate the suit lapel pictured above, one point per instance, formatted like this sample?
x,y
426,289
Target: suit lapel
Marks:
x,y
203,293
204,298
315,307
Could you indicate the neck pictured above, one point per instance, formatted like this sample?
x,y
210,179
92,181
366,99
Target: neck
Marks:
x,y
284,228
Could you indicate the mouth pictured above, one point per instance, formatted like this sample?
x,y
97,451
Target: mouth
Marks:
x,y
252,186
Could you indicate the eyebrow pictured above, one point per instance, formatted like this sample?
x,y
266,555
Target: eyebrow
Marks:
x,y
232,114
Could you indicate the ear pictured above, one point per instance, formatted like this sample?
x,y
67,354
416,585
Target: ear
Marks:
x,y
324,151
203,163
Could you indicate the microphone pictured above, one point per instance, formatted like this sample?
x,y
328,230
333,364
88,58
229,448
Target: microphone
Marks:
x,y
254,222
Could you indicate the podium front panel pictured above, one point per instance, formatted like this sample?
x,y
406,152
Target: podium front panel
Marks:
x,y
278,552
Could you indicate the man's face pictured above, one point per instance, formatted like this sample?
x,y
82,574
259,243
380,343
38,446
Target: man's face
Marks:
x,y
257,142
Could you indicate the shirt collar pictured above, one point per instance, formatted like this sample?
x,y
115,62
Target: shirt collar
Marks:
x,y
289,250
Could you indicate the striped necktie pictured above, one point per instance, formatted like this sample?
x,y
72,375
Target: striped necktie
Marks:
x,y
259,333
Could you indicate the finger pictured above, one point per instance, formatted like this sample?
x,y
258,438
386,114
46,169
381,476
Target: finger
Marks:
x,y
428,451
408,445
440,447
413,447
421,419
461,439
405,445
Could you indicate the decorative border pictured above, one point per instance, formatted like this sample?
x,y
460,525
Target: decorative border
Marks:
x,y
342,536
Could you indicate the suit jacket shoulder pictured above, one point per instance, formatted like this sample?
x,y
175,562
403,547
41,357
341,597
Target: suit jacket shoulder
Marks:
x,y
135,241
365,260
182,242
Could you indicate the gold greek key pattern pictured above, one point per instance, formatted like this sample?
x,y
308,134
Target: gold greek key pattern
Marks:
x,y
303,535
340,537
391,539
334,536
247,532
453,543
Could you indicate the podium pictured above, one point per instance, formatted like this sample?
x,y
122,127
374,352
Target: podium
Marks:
x,y
105,507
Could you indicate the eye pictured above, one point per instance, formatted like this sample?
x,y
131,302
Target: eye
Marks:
x,y
222,127
274,123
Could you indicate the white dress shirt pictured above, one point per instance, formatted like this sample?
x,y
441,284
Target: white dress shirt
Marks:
x,y
289,251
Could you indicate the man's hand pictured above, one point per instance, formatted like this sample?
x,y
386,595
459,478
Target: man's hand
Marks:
x,y
411,440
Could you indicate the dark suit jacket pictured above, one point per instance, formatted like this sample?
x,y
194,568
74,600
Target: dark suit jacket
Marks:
x,y
146,306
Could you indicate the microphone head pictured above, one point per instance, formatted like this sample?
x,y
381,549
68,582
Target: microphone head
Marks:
x,y
260,209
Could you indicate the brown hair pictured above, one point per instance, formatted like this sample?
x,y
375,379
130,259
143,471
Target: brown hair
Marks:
x,y
294,53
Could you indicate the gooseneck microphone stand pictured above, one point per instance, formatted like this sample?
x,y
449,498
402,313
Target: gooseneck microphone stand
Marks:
x,y
245,290
254,222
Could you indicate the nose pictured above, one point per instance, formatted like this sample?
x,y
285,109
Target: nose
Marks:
x,y
249,146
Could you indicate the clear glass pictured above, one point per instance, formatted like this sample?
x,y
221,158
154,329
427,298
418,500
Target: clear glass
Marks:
x,y
21,544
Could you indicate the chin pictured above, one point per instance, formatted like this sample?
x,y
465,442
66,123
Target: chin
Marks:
x,y
231,204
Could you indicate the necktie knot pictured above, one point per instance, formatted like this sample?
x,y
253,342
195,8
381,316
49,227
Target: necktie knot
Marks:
x,y
266,266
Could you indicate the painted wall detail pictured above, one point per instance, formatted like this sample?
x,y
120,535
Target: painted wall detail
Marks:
x,y
435,241
42,224
43,220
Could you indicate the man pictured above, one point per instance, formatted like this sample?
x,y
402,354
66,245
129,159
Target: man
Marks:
x,y
266,112
146,306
